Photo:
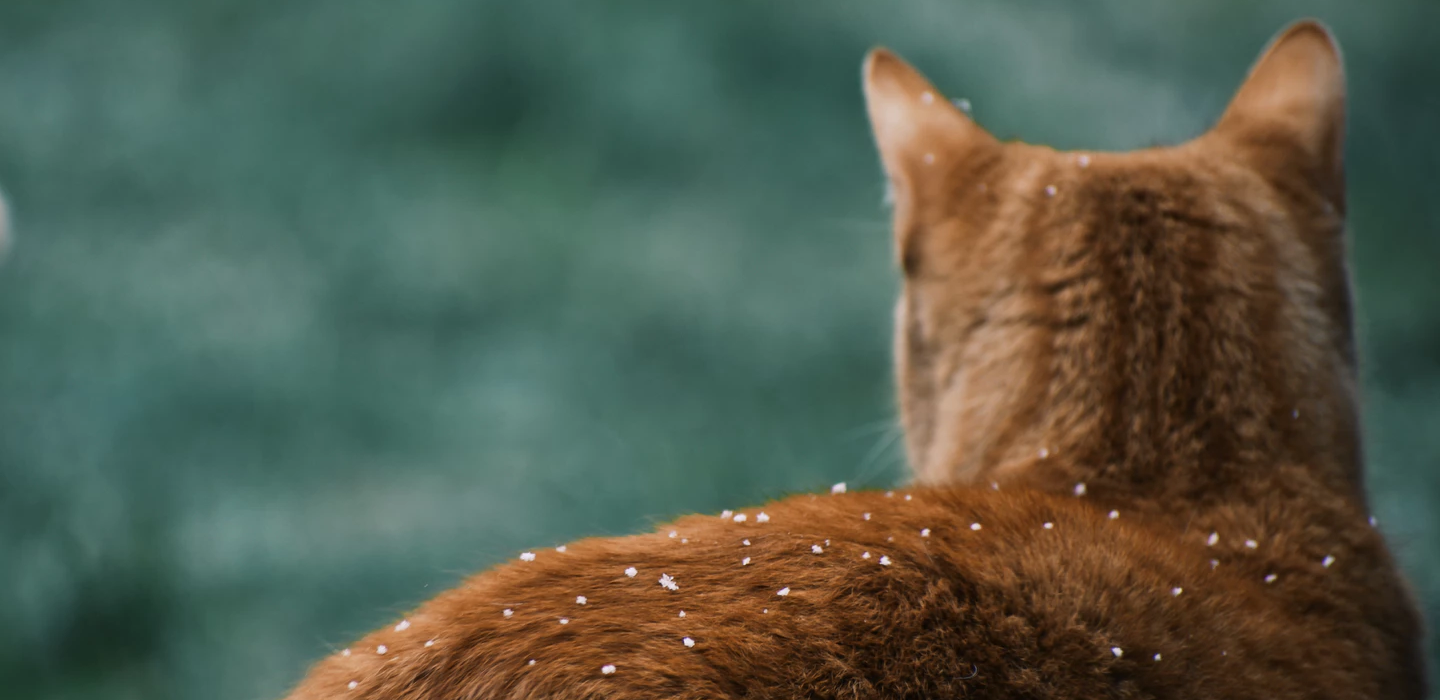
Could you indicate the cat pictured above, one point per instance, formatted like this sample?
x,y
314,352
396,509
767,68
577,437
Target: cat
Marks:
x,y
1128,387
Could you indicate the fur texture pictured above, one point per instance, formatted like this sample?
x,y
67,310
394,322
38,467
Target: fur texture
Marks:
x,y
1129,391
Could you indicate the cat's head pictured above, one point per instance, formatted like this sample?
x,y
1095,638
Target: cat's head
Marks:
x,y
1050,297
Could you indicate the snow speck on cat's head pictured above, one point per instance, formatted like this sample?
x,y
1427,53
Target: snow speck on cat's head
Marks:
x,y
838,488
631,571
783,591
688,642
607,669
668,583
527,556
1080,489
404,625
762,517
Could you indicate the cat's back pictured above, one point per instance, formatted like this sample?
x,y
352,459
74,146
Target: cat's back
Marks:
x,y
923,593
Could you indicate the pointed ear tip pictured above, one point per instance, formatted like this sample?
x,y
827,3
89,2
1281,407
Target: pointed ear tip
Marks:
x,y
878,58
1315,32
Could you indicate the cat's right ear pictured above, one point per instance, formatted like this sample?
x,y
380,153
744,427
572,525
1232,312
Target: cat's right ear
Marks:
x,y
921,136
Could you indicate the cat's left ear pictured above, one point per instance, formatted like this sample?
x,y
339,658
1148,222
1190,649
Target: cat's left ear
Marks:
x,y
1291,109
919,133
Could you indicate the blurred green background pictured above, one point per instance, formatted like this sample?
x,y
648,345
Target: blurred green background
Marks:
x,y
316,306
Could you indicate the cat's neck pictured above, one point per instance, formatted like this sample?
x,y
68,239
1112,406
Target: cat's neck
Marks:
x,y
1169,375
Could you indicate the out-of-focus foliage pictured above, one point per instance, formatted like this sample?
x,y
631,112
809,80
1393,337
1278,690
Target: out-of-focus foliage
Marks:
x,y
317,305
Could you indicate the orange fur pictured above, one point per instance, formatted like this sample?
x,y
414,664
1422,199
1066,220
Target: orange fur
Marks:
x,y
1145,364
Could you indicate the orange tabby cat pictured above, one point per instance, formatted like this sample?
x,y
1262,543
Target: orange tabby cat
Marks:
x,y
1145,363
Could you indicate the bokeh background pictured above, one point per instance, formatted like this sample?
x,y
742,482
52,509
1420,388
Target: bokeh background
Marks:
x,y
315,306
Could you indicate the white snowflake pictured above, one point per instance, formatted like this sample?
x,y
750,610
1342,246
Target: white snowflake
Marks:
x,y
817,549
527,556
668,583
762,517
404,625
688,642
607,669
631,571
783,591
840,487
